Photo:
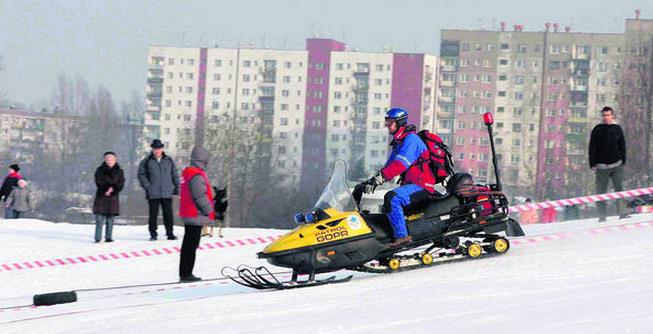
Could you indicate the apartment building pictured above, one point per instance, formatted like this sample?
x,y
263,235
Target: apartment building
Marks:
x,y
312,106
546,89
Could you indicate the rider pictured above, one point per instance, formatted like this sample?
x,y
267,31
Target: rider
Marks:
x,y
409,158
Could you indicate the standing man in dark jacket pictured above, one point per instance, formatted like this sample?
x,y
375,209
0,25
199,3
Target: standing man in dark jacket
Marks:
x,y
10,182
195,209
607,157
157,174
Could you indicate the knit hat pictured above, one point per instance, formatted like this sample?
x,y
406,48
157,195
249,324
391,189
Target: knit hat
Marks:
x,y
14,167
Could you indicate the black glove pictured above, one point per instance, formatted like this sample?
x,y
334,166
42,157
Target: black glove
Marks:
x,y
373,182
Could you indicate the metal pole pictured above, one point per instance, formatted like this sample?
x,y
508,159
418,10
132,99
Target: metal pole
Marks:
x,y
494,157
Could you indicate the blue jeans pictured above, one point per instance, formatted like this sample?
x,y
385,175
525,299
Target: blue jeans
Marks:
x,y
394,203
99,221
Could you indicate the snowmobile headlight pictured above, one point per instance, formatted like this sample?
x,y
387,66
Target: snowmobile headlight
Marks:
x,y
310,217
299,218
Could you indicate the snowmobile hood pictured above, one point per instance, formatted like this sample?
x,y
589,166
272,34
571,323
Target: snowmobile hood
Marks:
x,y
340,226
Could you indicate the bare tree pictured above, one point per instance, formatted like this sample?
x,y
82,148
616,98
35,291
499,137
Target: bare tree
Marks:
x,y
635,101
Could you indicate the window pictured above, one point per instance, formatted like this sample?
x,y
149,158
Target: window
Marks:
x,y
246,77
216,77
319,66
516,127
189,76
287,64
516,142
247,63
215,105
503,61
505,46
286,79
189,90
171,61
521,48
554,65
217,63
284,121
460,141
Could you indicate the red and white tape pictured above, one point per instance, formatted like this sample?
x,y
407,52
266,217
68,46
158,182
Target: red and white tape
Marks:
x,y
130,254
515,242
582,200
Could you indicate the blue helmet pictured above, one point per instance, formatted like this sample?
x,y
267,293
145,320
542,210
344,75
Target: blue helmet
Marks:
x,y
399,115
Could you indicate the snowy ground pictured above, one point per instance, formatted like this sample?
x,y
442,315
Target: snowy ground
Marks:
x,y
587,282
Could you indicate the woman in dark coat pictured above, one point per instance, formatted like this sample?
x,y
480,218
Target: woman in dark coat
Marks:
x,y
109,179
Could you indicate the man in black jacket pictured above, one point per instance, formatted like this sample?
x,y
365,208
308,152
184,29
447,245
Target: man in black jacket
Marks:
x,y
158,176
607,157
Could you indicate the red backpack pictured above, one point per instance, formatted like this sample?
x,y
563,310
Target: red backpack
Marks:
x,y
439,156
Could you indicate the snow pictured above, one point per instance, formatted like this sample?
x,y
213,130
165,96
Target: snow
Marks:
x,y
585,283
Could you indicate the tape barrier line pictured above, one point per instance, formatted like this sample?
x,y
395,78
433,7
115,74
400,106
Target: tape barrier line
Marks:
x,y
591,231
123,255
266,239
582,200
522,241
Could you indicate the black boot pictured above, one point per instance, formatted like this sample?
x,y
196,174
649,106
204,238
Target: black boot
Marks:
x,y
189,279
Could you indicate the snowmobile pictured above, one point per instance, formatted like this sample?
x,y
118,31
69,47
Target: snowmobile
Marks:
x,y
335,234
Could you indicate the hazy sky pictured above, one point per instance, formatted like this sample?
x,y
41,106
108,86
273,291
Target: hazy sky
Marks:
x,y
106,41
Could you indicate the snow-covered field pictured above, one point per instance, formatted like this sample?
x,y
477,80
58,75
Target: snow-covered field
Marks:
x,y
587,281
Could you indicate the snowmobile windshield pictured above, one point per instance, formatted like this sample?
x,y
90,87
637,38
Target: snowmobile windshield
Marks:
x,y
336,194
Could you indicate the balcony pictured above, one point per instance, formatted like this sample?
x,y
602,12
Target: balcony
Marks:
x,y
578,88
153,108
152,117
155,94
362,72
361,88
577,119
580,55
447,83
449,68
155,80
576,152
157,66
445,99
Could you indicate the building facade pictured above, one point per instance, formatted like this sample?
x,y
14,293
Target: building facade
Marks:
x,y
546,90
309,107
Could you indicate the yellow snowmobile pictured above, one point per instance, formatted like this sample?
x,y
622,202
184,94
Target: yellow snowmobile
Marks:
x,y
335,234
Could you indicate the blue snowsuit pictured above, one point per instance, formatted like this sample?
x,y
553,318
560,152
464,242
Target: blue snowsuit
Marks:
x,y
405,154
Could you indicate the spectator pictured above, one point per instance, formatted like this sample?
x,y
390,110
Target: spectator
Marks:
x,y
20,200
109,179
530,216
549,214
196,210
607,157
10,182
157,174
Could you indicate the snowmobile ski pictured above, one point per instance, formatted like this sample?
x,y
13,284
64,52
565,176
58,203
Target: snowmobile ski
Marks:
x,y
261,278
